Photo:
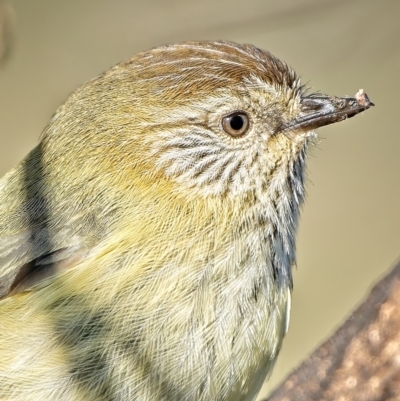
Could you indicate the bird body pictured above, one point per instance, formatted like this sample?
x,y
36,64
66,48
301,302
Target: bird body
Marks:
x,y
146,244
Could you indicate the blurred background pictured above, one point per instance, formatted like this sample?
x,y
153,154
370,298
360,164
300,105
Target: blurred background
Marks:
x,y
349,230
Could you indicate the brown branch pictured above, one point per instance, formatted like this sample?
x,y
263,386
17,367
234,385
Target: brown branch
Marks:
x,y
361,361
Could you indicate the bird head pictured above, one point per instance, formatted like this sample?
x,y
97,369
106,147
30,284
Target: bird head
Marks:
x,y
205,119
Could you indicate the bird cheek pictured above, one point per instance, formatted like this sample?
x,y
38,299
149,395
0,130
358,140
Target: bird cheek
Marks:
x,y
265,135
279,144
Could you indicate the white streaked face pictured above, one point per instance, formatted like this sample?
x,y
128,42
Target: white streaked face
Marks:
x,y
232,142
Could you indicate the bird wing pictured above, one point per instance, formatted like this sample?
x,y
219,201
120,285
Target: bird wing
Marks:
x,y
46,226
29,258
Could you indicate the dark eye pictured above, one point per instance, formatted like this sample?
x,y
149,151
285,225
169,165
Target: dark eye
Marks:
x,y
236,124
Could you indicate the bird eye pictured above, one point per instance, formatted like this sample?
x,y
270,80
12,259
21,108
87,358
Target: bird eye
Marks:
x,y
236,124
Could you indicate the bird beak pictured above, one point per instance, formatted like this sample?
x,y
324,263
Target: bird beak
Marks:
x,y
320,110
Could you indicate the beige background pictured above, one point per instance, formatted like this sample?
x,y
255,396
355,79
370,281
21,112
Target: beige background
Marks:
x,y
349,232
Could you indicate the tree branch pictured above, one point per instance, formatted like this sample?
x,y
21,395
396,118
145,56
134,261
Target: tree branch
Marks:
x,y
361,361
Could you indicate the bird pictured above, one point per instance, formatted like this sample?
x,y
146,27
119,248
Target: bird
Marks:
x,y
147,242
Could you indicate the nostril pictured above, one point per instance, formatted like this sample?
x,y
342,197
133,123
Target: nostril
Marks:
x,y
311,104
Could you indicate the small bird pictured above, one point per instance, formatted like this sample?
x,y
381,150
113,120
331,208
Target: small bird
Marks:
x,y
147,242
